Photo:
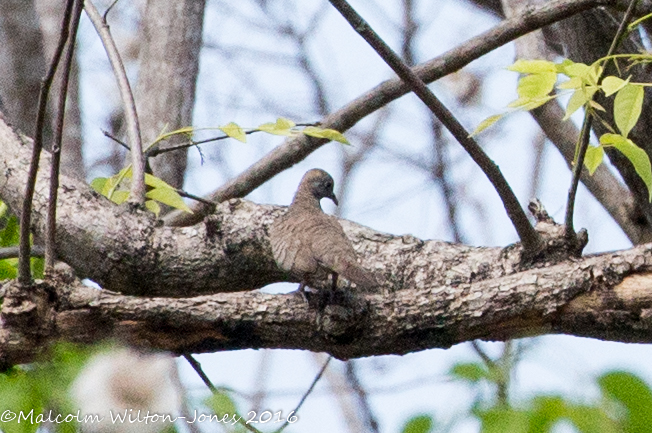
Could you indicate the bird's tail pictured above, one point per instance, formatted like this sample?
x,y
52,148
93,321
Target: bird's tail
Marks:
x,y
360,276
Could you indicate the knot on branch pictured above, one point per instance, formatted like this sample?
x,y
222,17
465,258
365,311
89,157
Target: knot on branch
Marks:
x,y
555,246
27,308
341,315
27,311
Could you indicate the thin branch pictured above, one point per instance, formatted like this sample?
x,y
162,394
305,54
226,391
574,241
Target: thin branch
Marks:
x,y
13,252
24,271
297,148
586,128
158,150
529,237
362,395
137,193
106,12
117,140
183,193
197,366
200,372
305,396
51,219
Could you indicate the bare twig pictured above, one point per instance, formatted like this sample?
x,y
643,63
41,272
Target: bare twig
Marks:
x,y
106,12
183,193
297,148
440,172
586,129
529,237
362,395
137,193
158,150
115,139
197,367
200,372
305,396
13,252
51,219
24,271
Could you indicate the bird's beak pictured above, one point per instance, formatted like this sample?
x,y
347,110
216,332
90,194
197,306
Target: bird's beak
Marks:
x,y
332,197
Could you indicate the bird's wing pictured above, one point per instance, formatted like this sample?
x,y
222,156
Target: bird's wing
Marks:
x,y
333,250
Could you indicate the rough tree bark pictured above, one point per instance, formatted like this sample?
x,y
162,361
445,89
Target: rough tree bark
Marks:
x,y
22,63
435,294
50,14
169,63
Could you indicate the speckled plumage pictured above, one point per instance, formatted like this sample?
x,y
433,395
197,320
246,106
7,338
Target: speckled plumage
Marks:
x,y
310,244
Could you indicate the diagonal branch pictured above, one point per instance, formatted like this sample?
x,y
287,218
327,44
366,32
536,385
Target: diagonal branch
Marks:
x,y
529,237
137,193
296,149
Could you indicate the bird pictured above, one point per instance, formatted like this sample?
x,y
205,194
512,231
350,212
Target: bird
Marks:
x,y
309,244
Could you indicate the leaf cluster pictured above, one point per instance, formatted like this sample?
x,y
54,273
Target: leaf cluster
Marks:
x,y
536,86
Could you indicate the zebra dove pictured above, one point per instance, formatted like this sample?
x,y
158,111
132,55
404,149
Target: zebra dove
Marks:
x,y
310,244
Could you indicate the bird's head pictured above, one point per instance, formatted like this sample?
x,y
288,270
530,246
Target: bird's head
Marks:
x,y
319,184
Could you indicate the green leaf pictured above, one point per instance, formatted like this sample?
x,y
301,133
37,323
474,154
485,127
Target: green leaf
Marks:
x,y
596,106
470,371
10,234
169,197
593,74
611,85
419,424
234,131
222,404
627,107
593,158
533,67
634,394
576,102
8,269
119,197
329,134
573,83
535,86
498,420
156,182
282,126
572,69
282,122
37,264
486,123
635,154
153,207
547,410
528,104
98,184
591,420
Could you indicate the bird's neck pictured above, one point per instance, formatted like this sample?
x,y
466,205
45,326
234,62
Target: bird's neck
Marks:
x,y
305,199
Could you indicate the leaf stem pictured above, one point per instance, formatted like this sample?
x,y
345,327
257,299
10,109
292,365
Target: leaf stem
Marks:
x,y
583,140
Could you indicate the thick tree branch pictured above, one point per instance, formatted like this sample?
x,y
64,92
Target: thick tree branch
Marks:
x,y
127,250
605,296
296,149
